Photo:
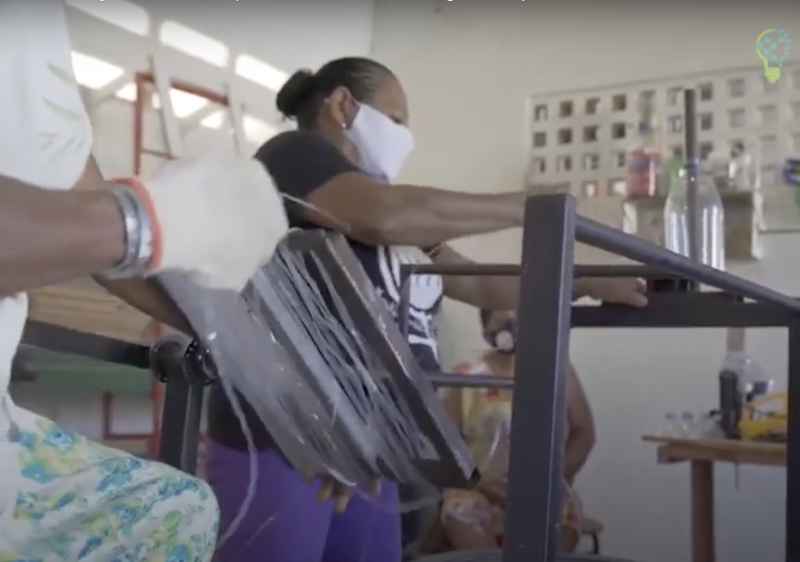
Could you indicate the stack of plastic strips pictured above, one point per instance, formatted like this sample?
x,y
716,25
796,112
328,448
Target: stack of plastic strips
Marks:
x,y
320,358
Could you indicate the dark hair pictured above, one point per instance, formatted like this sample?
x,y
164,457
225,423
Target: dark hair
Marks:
x,y
302,95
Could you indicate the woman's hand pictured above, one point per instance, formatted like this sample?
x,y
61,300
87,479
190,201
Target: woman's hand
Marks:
x,y
624,290
494,485
341,494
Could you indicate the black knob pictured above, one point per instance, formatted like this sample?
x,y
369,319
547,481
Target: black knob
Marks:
x,y
200,363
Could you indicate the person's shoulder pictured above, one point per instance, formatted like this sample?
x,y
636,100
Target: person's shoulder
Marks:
x,y
300,162
292,142
293,136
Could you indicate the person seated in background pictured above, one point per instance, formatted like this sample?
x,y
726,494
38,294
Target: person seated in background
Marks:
x,y
474,519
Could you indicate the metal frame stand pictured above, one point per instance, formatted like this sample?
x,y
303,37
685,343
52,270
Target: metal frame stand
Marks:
x,y
545,317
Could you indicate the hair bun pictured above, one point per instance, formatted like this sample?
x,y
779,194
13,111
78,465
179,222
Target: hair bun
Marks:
x,y
298,88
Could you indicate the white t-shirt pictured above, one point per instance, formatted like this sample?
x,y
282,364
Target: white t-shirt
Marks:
x,y
45,132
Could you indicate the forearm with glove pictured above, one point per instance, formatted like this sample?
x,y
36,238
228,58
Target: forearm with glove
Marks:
x,y
217,219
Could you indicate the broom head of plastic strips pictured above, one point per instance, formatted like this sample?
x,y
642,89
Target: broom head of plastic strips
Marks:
x,y
318,355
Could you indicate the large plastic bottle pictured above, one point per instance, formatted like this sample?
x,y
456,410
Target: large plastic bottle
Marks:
x,y
710,220
644,157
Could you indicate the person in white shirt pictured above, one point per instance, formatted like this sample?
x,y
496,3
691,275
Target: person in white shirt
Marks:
x,y
63,497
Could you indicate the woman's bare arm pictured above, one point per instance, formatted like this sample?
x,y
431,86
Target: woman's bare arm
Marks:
x,y
581,434
145,295
502,292
50,236
376,213
486,291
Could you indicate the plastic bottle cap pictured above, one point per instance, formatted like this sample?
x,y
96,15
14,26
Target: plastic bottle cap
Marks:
x,y
504,340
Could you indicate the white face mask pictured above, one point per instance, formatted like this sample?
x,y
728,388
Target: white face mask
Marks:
x,y
382,144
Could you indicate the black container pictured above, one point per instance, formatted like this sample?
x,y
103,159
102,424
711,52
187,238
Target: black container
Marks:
x,y
730,403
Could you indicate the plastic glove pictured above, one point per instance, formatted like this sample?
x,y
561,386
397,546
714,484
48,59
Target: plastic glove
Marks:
x,y
220,218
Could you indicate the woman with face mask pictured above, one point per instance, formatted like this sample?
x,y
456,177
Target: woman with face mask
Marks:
x,y
341,164
475,519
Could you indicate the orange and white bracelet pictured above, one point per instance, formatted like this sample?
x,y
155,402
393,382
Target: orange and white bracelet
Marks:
x,y
143,245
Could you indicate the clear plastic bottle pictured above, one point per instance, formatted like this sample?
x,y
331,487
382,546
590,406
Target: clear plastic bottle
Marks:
x,y
710,428
688,426
719,168
644,157
745,169
710,219
671,427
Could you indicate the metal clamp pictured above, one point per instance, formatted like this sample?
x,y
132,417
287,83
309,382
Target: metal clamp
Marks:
x,y
190,361
186,368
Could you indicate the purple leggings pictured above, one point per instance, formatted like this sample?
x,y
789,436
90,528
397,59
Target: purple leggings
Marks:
x,y
285,521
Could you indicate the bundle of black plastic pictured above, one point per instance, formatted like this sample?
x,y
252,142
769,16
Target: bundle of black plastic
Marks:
x,y
320,358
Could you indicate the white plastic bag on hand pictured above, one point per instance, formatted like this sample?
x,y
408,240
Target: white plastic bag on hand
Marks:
x,y
221,218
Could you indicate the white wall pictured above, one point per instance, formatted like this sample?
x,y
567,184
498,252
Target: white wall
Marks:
x,y
285,36
468,66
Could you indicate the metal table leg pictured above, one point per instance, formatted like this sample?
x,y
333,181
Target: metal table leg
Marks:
x,y
538,404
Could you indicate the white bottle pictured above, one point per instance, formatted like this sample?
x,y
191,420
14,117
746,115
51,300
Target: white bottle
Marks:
x,y
710,221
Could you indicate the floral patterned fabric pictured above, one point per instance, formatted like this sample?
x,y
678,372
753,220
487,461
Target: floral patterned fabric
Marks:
x,y
486,419
65,498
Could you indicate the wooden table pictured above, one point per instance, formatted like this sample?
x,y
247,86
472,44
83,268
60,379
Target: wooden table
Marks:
x,y
702,455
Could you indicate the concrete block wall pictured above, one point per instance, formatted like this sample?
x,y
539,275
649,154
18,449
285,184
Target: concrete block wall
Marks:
x,y
468,71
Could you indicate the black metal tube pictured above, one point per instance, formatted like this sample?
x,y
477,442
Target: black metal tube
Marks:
x,y
471,269
538,403
183,404
510,270
692,169
180,425
458,380
689,309
404,304
793,447
63,340
617,242
598,271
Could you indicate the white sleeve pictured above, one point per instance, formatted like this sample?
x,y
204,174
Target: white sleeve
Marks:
x,y
46,135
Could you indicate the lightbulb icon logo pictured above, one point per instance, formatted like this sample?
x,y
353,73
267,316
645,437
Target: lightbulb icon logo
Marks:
x,y
772,47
